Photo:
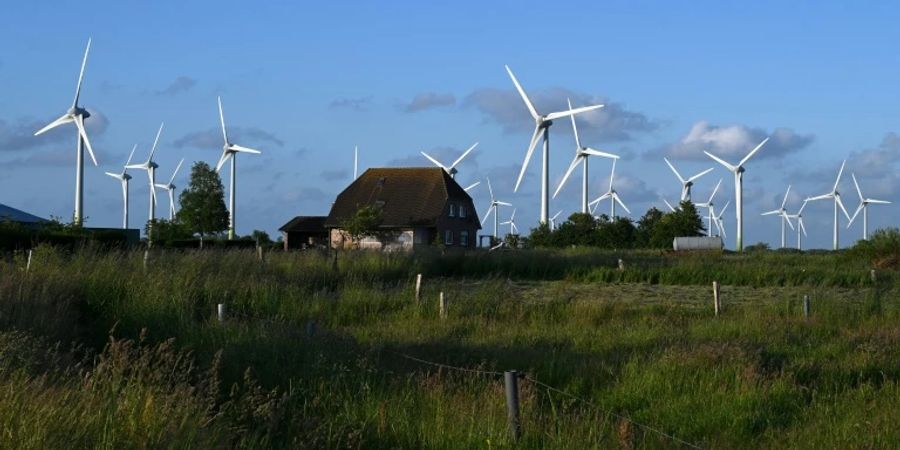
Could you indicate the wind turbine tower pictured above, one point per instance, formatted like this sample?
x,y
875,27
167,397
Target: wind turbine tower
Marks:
x,y
738,171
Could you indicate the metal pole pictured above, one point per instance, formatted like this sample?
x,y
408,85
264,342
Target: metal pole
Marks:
x,y
865,222
79,183
231,221
545,178
782,232
739,208
125,218
511,381
835,243
584,188
716,301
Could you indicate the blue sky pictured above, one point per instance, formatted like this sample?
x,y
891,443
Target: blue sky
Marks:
x,y
305,83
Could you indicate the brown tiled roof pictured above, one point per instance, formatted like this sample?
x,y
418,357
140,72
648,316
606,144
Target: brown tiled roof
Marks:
x,y
309,224
408,196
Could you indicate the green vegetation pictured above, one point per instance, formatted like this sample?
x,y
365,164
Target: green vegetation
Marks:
x,y
203,208
654,230
98,351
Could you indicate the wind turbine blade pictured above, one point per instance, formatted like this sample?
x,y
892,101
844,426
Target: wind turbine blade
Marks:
x,y
619,201
472,186
838,180
721,161
572,112
155,142
434,161
64,119
753,152
855,213
79,122
152,187
556,215
131,155
458,160
600,199
594,152
488,213
722,212
769,213
515,228
837,198
225,155
784,202
176,171
858,190
612,175
503,203
222,120
878,202
574,127
800,211
512,216
802,228
682,180
715,191
700,174
242,149
81,74
534,113
114,175
671,208
819,197
568,173
788,219
490,189
534,139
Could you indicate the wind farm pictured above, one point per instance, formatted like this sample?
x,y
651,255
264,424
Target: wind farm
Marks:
x,y
393,270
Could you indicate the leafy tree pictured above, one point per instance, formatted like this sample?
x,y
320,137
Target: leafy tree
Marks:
x,y
541,237
619,233
683,222
166,231
365,223
579,229
645,226
261,237
757,247
203,208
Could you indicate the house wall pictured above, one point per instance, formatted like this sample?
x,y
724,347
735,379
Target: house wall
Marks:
x,y
456,224
405,240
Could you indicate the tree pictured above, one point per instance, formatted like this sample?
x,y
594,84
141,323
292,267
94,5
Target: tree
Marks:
x,y
365,223
645,226
683,222
541,237
580,229
619,233
166,231
203,208
261,237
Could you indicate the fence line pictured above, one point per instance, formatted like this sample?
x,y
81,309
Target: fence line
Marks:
x,y
539,383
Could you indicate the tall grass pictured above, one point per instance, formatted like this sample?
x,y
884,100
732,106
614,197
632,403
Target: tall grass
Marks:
x,y
97,349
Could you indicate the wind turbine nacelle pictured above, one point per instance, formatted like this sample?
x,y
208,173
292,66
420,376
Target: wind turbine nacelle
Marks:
x,y
544,123
77,110
153,165
126,177
453,171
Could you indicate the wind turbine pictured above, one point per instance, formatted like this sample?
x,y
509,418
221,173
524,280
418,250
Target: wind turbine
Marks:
x,y
611,195
230,150
581,156
76,114
720,224
834,194
864,207
686,184
553,220
170,188
669,205
123,178
451,169
710,209
738,171
782,213
513,229
472,186
542,125
150,167
800,227
495,204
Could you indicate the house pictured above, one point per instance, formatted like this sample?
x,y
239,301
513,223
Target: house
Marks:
x,y
304,232
419,206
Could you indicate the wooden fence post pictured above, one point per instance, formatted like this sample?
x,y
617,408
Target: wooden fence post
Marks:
x,y
28,263
220,312
621,265
717,301
872,275
511,381
146,257
806,307
259,253
418,288
443,306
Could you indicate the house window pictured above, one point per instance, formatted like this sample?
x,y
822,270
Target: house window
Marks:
x,y
462,211
448,237
464,238
452,210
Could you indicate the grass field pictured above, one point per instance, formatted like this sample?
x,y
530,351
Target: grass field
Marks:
x,y
98,351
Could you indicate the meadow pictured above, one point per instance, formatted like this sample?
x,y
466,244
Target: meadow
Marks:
x,y
100,349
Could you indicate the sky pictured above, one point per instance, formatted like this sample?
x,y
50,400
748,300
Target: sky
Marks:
x,y
305,83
